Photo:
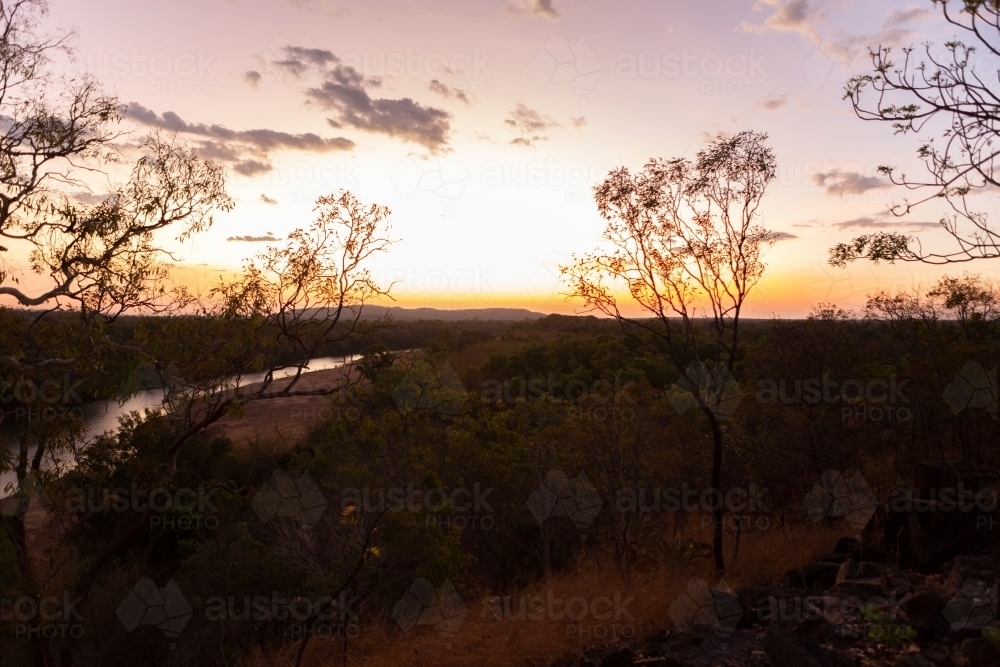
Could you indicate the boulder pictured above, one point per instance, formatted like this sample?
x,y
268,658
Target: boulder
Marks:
x,y
798,645
812,575
924,609
977,652
951,508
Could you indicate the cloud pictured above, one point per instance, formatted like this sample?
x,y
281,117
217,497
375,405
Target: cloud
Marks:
x,y
785,236
873,223
252,167
252,77
345,91
325,6
849,51
841,183
801,16
578,122
774,102
246,149
544,8
529,124
897,18
268,200
299,60
90,198
403,118
268,238
444,90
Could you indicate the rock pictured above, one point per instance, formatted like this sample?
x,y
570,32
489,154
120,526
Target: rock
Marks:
x,y
784,651
950,509
621,658
862,589
812,575
924,609
846,545
800,647
936,653
949,474
977,652
832,557
913,660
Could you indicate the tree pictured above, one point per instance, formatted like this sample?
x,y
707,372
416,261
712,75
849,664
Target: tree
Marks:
x,y
100,259
105,259
684,237
941,93
272,318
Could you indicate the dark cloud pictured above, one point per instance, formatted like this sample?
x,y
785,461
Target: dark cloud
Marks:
x,y
268,200
252,77
544,8
299,60
529,124
839,182
252,167
444,90
344,91
246,149
874,223
784,236
270,237
774,102
799,16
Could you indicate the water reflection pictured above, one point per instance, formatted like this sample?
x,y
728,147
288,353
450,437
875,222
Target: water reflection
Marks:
x,y
103,416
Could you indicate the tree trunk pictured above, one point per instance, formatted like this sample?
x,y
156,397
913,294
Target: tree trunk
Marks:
x,y
716,492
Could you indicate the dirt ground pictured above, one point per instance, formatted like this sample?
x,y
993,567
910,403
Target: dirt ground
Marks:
x,y
284,421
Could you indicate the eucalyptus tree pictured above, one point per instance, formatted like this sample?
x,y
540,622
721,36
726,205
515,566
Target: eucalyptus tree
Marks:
x,y
683,249
949,96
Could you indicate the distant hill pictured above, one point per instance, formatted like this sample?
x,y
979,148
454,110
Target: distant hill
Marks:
x,y
414,314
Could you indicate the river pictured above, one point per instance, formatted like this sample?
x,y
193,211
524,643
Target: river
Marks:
x,y
101,416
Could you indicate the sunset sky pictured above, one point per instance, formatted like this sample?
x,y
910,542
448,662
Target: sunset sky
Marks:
x,y
483,124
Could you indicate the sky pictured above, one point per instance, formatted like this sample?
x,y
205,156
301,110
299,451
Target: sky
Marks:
x,y
484,124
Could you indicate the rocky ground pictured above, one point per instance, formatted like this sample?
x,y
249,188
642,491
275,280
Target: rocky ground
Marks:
x,y
845,613
916,604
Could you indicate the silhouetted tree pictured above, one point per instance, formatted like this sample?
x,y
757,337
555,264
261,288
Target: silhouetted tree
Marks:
x,y
684,236
943,94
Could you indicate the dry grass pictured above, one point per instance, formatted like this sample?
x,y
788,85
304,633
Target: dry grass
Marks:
x,y
517,642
